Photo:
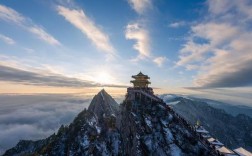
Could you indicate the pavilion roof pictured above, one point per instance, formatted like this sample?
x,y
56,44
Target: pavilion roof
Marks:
x,y
140,74
141,81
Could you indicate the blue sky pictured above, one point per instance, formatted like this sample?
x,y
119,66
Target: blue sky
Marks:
x,y
81,44
76,47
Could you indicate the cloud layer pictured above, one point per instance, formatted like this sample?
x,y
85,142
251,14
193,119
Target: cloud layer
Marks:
x,y
12,74
9,15
80,20
35,117
219,47
43,78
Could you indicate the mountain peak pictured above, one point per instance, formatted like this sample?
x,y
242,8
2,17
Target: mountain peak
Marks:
x,y
103,92
103,104
141,126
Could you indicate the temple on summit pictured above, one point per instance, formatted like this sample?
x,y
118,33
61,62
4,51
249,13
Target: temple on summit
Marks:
x,y
140,89
141,80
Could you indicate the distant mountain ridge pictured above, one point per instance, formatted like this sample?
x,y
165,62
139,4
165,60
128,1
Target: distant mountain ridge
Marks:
x,y
138,127
233,131
229,108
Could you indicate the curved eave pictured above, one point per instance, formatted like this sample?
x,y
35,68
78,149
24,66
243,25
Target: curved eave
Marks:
x,y
138,81
136,76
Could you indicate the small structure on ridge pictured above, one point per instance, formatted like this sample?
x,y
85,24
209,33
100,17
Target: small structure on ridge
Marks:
x,y
141,80
141,90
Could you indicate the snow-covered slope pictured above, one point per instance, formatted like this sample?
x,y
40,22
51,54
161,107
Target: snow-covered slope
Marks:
x,y
233,131
103,105
230,107
147,128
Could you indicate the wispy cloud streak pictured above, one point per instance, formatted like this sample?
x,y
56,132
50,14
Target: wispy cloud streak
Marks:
x,y
10,15
82,22
138,32
177,24
140,35
7,39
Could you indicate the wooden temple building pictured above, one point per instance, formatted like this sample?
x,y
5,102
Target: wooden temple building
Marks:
x,y
141,80
141,89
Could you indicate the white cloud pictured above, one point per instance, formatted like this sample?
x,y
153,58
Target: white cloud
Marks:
x,y
135,31
140,35
177,24
43,35
140,6
7,39
219,6
29,50
9,15
216,33
192,53
219,47
33,117
222,9
159,61
79,19
229,67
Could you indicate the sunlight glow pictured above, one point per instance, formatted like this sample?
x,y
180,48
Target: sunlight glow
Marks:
x,y
104,78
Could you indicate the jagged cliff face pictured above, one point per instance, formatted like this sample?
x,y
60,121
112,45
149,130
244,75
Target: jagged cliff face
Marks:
x,y
103,105
139,127
151,130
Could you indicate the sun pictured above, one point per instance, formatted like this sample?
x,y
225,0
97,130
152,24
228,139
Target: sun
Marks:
x,y
103,78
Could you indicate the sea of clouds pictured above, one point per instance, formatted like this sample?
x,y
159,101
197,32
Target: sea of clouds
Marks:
x,y
33,117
